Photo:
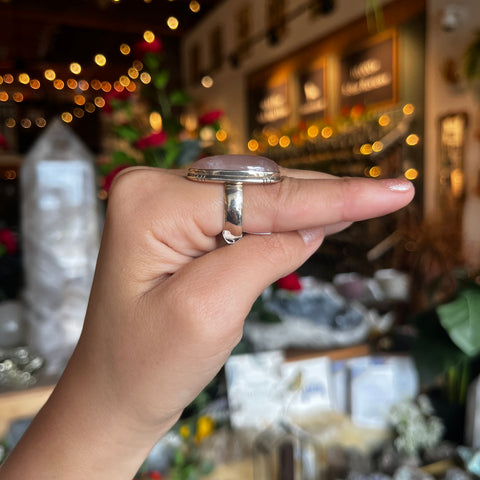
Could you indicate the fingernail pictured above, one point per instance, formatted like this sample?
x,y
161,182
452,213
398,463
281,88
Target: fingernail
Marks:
x,y
398,184
312,235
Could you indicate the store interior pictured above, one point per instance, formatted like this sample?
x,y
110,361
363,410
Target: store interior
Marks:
x,y
363,363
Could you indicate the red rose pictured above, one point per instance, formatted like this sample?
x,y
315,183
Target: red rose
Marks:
x,y
7,238
107,181
210,117
142,47
155,139
290,282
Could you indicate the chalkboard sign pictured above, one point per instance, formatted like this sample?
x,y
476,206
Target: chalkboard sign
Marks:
x,y
269,106
312,99
367,76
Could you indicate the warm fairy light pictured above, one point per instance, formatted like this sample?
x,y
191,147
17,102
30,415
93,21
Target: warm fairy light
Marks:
x,y
147,1
96,84
124,81
79,99
50,74
377,146
1,79
145,78
3,96
83,85
312,131
100,59
89,107
137,64
272,140
366,149
106,87
375,172
24,78
25,122
411,174
412,140
284,141
125,49
408,109
10,122
99,102
67,117
35,84
133,73
194,6
75,68
72,83
253,145
118,86
384,120
131,87
58,84
327,132
102,194
207,81
172,23
8,78
40,122
148,36
155,120
221,135
17,97
189,121
78,112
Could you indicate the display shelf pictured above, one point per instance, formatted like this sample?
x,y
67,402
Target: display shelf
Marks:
x,y
20,404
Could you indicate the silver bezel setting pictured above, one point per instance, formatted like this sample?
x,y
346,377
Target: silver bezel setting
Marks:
x,y
233,176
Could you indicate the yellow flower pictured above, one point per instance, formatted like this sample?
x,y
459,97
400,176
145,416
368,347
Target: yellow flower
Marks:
x,y
205,425
184,431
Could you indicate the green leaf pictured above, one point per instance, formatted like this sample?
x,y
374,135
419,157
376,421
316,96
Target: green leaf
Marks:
x,y
127,132
434,357
151,61
161,79
119,157
178,97
461,319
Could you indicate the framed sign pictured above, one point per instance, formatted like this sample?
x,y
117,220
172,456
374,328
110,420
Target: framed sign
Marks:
x,y
311,94
368,76
269,106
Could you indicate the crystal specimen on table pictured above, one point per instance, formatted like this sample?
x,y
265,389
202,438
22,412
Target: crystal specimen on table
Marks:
x,y
60,235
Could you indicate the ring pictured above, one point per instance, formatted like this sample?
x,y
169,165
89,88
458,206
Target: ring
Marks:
x,y
234,171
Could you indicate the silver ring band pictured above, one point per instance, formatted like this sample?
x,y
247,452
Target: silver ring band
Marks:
x,y
253,170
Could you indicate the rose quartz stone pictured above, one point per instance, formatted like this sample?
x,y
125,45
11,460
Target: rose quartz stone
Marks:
x,y
236,163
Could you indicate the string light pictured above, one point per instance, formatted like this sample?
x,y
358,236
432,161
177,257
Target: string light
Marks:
x,y
172,23
125,49
75,68
100,60
194,6
148,36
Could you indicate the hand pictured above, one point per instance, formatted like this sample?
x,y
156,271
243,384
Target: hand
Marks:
x,y
168,303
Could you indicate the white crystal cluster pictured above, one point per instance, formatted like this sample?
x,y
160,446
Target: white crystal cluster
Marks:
x,y
416,426
60,236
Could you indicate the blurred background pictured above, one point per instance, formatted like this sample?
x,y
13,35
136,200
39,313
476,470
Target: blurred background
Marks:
x,y
385,312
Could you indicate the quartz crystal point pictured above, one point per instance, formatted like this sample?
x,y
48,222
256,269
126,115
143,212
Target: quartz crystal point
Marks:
x,y
60,235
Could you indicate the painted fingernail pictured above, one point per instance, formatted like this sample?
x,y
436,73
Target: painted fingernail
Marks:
x,y
312,235
398,184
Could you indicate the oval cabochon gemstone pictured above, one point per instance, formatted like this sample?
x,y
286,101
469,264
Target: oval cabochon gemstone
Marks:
x,y
236,163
